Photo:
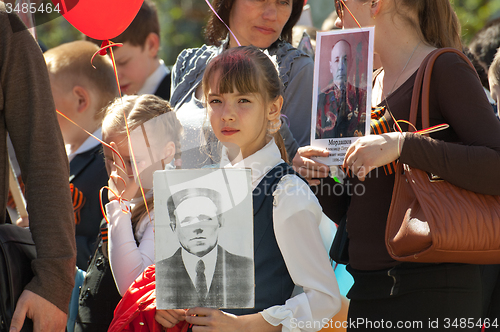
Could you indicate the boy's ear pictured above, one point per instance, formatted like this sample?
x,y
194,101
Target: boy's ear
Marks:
x,y
152,44
82,97
275,109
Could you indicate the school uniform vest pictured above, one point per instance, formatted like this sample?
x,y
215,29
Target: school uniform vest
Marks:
x,y
273,284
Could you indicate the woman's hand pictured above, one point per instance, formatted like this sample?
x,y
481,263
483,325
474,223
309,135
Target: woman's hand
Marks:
x,y
169,318
372,151
308,168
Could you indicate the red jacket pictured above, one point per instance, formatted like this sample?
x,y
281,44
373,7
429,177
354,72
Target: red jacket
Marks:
x,y
136,310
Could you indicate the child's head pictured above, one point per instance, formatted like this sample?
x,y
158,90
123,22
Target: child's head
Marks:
x,y
154,132
80,91
138,58
494,78
243,94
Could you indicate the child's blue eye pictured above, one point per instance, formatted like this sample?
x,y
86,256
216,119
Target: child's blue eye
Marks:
x,y
215,101
244,100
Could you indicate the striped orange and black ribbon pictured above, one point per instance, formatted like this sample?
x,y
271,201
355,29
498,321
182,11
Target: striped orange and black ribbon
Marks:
x,y
78,201
104,233
380,125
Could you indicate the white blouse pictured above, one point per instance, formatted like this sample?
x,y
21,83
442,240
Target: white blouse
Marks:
x,y
127,260
296,216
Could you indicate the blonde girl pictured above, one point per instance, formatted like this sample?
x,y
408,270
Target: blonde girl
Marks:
x,y
150,120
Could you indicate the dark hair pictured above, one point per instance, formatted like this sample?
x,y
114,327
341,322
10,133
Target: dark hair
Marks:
x,y
216,31
177,198
437,22
144,23
485,43
248,70
481,71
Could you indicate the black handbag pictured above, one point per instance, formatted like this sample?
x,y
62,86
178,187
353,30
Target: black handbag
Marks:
x,y
339,251
17,250
98,295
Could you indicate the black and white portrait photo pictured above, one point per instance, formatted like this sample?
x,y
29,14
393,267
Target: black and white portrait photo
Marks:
x,y
204,239
342,90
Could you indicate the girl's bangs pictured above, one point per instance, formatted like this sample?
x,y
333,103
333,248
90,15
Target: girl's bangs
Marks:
x,y
234,72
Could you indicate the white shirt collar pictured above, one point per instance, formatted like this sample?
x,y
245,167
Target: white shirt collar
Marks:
x,y
260,162
209,260
153,81
89,143
488,95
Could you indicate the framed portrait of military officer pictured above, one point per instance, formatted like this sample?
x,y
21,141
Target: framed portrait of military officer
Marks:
x,y
341,90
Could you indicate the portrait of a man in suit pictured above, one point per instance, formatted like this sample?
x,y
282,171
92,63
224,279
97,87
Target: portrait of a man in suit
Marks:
x,y
201,272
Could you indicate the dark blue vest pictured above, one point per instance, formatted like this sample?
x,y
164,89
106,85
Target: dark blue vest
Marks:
x,y
273,284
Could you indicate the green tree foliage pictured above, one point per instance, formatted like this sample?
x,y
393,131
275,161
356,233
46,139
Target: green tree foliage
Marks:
x,y
473,15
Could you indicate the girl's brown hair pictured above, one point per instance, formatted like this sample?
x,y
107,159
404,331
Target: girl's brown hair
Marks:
x,y
138,110
248,70
216,31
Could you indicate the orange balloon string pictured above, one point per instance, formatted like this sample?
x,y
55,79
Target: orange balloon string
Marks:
x,y
354,18
433,129
107,44
123,169
424,131
119,198
98,139
116,73
135,166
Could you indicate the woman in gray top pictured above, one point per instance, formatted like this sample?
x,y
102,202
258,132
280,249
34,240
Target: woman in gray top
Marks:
x,y
268,25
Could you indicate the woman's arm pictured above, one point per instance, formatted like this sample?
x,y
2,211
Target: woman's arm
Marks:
x,y
471,160
459,99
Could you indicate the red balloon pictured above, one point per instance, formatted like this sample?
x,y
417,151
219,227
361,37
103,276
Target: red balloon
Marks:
x,y
99,19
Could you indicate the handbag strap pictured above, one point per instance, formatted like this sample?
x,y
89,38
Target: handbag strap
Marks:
x,y
423,84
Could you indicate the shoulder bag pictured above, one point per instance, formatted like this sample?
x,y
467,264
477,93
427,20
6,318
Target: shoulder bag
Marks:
x,y
431,220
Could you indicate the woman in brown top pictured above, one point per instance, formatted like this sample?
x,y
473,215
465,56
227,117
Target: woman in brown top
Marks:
x,y
387,293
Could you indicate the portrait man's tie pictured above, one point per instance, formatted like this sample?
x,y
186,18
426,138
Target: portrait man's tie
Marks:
x,y
201,280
